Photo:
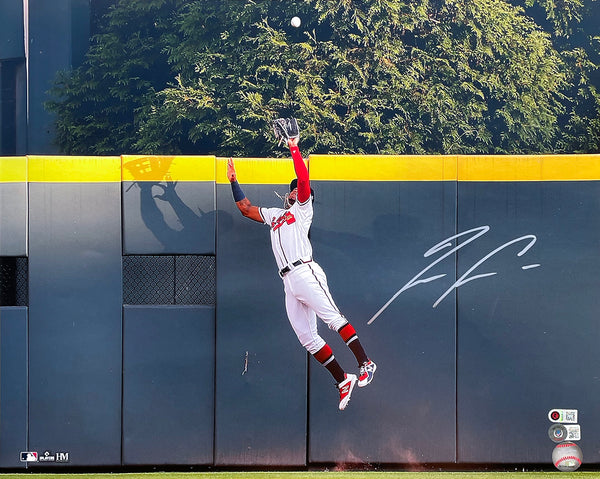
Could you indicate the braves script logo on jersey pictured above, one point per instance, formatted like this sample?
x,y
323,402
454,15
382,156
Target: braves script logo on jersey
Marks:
x,y
286,218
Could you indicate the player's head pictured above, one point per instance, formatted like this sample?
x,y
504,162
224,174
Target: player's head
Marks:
x,y
290,198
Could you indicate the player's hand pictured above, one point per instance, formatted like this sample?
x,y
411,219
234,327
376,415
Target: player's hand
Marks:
x,y
293,142
231,171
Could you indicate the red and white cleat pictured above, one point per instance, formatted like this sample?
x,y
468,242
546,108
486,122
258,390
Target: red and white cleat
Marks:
x,y
367,371
345,388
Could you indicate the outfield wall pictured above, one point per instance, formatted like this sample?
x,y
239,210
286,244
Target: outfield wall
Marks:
x,y
142,319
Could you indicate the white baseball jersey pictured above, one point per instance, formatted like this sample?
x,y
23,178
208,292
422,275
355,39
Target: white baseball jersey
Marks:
x,y
306,291
289,232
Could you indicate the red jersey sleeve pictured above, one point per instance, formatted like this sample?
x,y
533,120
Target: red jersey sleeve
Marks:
x,y
301,174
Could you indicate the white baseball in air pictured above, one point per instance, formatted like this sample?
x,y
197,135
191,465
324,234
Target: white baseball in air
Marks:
x,y
295,21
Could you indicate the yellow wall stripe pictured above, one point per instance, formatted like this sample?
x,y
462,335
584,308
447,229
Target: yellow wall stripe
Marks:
x,y
259,171
529,168
74,169
383,167
322,167
177,168
13,169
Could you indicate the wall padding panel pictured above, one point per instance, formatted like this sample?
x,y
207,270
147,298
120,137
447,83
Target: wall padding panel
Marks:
x,y
168,204
528,334
168,385
13,206
75,302
13,385
370,237
260,409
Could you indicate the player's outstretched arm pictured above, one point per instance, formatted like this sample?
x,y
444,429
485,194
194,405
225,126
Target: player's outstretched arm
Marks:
x,y
301,171
243,203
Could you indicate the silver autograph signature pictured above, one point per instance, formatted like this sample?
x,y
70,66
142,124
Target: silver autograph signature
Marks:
x,y
465,278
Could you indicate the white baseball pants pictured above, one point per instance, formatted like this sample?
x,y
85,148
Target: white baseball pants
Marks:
x,y
306,297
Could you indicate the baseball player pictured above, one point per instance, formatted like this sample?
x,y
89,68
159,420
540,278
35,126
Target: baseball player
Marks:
x,y
306,292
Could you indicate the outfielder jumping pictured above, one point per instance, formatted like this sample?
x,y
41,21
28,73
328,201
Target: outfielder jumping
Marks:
x,y
305,284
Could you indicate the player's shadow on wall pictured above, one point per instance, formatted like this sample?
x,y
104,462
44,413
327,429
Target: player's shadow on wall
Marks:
x,y
167,216
192,224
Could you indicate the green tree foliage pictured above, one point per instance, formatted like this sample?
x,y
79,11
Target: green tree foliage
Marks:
x,y
98,105
575,31
377,76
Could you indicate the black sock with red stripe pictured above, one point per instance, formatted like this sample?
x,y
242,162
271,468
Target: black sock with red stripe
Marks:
x,y
348,334
326,358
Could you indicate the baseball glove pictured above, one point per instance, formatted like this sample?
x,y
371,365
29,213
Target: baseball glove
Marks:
x,y
285,129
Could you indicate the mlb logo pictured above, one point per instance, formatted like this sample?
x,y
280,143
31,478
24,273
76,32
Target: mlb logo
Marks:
x,y
29,456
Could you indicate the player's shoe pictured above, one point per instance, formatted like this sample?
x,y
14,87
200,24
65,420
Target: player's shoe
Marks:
x,y
367,371
345,388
